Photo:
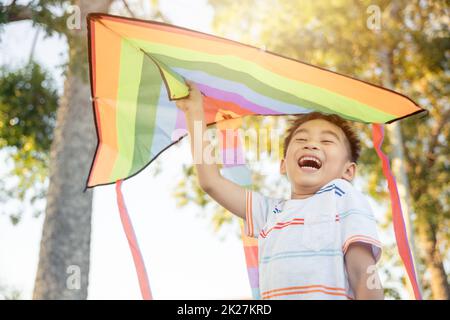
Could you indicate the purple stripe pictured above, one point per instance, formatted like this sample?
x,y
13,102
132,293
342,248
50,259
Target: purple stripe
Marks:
x,y
181,121
253,276
235,98
232,157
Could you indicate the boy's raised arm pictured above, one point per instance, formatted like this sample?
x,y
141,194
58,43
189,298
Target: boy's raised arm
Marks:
x,y
228,194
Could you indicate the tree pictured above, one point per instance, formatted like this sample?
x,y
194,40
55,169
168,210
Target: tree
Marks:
x,y
64,256
63,268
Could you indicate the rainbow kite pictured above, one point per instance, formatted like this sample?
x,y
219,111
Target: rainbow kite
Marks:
x,y
138,68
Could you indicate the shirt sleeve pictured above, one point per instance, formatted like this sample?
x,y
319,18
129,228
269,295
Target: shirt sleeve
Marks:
x,y
358,223
257,210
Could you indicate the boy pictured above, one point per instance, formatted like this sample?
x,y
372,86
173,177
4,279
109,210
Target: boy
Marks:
x,y
320,244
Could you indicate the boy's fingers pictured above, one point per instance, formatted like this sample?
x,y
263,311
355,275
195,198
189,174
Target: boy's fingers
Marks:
x,y
191,85
180,104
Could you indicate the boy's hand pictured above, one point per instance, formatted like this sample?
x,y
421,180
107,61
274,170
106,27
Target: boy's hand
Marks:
x,y
192,103
228,194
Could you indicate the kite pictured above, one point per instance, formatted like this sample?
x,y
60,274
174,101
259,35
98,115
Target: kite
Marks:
x,y
138,70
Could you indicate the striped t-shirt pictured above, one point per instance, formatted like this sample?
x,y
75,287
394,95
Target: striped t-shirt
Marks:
x,y
302,242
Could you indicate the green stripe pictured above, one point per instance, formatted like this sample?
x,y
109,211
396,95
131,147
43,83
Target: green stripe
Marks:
x,y
149,92
175,85
128,92
314,94
217,70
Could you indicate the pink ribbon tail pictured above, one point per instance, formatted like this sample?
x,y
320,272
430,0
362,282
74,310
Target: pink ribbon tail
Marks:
x,y
134,246
397,214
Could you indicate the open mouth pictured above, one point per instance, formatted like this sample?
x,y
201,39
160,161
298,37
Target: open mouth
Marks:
x,y
309,163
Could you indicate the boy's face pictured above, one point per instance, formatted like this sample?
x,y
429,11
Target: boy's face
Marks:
x,y
327,144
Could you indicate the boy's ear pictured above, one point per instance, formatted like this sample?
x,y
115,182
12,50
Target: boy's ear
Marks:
x,y
350,171
283,166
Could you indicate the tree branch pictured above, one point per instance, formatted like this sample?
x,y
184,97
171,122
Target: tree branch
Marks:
x,y
17,12
128,8
159,15
435,136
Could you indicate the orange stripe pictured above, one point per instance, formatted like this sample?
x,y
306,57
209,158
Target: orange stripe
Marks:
x,y
168,28
305,292
212,106
304,287
249,241
374,96
359,238
347,243
106,69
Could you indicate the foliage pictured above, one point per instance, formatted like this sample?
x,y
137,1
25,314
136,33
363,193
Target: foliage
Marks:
x,y
28,102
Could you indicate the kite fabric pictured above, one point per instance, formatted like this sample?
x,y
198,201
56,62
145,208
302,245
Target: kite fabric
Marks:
x,y
138,69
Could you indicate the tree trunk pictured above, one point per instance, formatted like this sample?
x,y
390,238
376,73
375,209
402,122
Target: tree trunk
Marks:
x,y
63,269
439,285
432,256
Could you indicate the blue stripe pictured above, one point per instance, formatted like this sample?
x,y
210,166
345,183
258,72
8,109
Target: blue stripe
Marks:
x,y
231,86
332,187
326,188
166,116
294,254
353,211
339,189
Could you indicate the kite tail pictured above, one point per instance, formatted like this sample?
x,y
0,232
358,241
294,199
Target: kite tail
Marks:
x,y
134,246
251,259
235,169
397,214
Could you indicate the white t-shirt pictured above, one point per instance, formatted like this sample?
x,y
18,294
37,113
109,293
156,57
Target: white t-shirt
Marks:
x,y
302,242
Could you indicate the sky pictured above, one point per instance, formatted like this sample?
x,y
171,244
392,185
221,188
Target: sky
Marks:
x,y
185,258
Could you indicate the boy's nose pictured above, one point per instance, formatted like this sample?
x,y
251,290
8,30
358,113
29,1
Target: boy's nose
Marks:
x,y
311,145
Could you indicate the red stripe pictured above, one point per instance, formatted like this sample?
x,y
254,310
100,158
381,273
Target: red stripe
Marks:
x,y
134,246
281,225
251,256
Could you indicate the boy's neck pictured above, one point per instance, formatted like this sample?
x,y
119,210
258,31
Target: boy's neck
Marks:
x,y
304,193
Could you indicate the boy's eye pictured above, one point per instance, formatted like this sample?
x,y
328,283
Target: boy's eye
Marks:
x,y
327,141
300,139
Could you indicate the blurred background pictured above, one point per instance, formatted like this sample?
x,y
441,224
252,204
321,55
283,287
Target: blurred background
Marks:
x,y
58,242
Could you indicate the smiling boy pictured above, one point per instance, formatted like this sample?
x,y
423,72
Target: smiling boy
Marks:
x,y
322,243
